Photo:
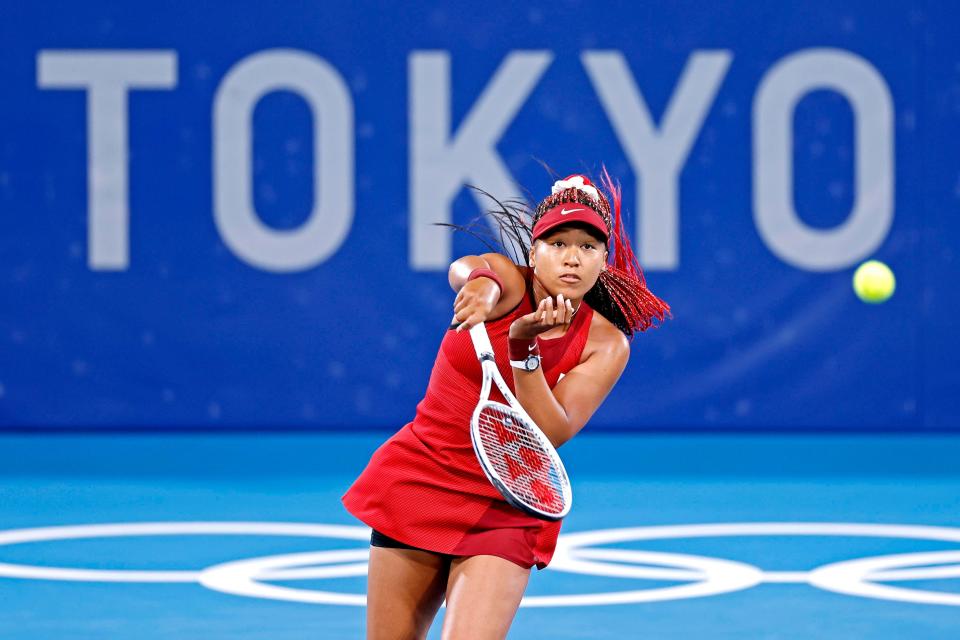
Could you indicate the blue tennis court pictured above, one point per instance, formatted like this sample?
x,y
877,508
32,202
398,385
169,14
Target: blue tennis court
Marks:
x,y
226,536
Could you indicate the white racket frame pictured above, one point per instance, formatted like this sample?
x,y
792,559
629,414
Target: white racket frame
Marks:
x,y
481,344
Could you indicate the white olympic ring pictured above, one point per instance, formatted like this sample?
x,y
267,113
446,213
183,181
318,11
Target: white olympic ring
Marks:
x,y
42,534
701,576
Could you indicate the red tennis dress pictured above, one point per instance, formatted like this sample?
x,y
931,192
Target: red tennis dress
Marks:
x,y
424,486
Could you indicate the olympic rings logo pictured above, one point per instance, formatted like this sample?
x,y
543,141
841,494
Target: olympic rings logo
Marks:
x,y
577,553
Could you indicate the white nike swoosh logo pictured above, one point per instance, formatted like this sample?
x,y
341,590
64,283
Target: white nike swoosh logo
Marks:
x,y
564,212
532,347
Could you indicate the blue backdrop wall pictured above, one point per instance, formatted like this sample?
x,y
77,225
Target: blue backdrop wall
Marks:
x,y
219,215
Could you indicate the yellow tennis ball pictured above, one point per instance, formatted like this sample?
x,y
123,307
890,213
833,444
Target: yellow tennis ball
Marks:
x,y
874,282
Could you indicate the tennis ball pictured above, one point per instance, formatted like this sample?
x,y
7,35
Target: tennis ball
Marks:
x,y
874,282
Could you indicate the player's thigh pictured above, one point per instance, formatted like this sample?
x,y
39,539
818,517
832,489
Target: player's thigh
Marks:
x,y
483,594
405,588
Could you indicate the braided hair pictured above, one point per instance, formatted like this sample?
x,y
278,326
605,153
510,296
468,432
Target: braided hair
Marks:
x,y
620,294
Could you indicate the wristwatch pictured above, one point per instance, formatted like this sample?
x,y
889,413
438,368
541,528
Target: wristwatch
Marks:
x,y
530,363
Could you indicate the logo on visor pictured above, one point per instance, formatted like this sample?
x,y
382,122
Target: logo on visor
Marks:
x,y
564,212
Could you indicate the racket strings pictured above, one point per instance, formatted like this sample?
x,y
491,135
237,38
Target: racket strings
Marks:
x,y
520,459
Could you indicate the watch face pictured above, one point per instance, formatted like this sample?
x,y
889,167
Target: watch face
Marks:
x,y
532,363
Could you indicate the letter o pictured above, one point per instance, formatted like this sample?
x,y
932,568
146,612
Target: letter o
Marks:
x,y
870,219
331,106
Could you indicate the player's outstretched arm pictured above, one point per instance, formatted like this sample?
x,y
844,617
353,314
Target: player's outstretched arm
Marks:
x,y
481,299
562,411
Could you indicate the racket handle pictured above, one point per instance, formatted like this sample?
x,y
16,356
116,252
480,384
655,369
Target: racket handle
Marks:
x,y
481,341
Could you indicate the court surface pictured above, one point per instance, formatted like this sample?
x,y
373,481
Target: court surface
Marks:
x,y
688,536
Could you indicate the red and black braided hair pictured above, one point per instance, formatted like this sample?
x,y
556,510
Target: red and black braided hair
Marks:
x,y
620,293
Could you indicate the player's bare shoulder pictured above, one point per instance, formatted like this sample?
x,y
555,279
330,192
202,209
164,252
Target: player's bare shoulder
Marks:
x,y
606,340
504,266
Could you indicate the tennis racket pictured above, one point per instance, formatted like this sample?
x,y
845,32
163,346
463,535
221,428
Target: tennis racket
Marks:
x,y
514,453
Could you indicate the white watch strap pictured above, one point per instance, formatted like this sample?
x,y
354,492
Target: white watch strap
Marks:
x,y
522,364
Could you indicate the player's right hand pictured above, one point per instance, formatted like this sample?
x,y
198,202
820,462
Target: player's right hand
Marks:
x,y
474,302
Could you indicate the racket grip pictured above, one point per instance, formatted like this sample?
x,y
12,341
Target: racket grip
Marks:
x,y
481,341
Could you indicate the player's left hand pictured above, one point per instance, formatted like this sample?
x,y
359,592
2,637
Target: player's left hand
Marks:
x,y
548,314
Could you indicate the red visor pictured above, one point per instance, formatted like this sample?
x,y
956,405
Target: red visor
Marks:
x,y
565,214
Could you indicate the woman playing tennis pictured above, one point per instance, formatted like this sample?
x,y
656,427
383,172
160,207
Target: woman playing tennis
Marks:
x,y
440,528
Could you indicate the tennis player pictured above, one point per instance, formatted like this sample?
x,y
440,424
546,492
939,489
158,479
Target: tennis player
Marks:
x,y
440,529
